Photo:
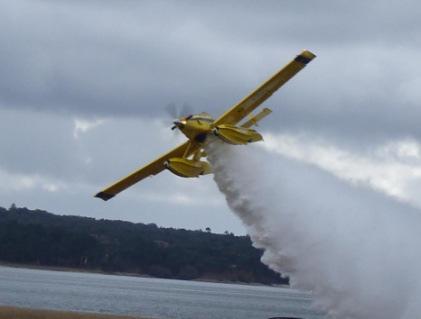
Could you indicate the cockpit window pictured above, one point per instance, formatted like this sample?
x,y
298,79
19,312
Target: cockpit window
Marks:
x,y
203,117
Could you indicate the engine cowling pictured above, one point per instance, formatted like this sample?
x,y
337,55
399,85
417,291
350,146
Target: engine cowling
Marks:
x,y
236,135
187,167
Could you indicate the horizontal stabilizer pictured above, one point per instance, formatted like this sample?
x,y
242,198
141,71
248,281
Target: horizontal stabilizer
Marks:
x,y
255,119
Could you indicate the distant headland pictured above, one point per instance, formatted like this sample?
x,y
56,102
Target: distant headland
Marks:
x,y
38,238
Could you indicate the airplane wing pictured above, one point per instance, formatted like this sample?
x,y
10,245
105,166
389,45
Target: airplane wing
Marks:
x,y
252,101
152,168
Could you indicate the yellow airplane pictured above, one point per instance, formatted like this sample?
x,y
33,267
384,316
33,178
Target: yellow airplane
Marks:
x,y
185,160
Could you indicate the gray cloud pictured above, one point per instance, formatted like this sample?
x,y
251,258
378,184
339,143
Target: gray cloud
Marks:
x,y
46,163
133,58
124,61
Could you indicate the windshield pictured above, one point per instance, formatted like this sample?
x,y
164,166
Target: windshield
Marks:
x,y
203,117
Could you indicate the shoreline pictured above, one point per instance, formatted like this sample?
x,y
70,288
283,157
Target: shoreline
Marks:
x,y
100,272
10,312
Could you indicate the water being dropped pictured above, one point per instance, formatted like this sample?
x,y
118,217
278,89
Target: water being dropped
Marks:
x,y
355,249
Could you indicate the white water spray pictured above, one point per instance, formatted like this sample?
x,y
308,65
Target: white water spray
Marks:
x,y
356,250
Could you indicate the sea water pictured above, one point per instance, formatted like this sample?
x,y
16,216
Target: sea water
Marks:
x,y
149,297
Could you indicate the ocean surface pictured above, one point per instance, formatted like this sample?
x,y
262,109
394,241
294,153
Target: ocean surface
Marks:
x,y
149,297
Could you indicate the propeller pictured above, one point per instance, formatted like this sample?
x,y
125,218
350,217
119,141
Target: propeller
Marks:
x,y
178,112
171,110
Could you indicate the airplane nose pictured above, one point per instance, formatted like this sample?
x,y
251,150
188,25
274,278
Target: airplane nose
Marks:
x,y
179,124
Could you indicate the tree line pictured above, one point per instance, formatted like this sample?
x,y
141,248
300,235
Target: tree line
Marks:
x,y
35,237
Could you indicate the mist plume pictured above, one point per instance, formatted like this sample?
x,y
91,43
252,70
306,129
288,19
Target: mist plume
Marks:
x,y
355,249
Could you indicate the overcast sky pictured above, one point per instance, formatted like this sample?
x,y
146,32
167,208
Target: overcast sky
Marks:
x,y
84,86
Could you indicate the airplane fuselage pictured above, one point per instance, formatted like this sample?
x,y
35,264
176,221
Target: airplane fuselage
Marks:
x,y
196,127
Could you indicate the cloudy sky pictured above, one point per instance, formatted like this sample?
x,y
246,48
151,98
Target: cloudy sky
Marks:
x,y
84,86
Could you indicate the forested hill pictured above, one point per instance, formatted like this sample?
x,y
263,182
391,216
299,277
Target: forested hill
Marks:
x,y
35,237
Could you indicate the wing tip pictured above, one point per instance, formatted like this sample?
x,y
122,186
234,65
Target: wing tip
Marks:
x,y
104,196
305,57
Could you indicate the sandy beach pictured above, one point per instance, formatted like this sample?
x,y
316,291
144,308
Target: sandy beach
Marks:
x,y
25,313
